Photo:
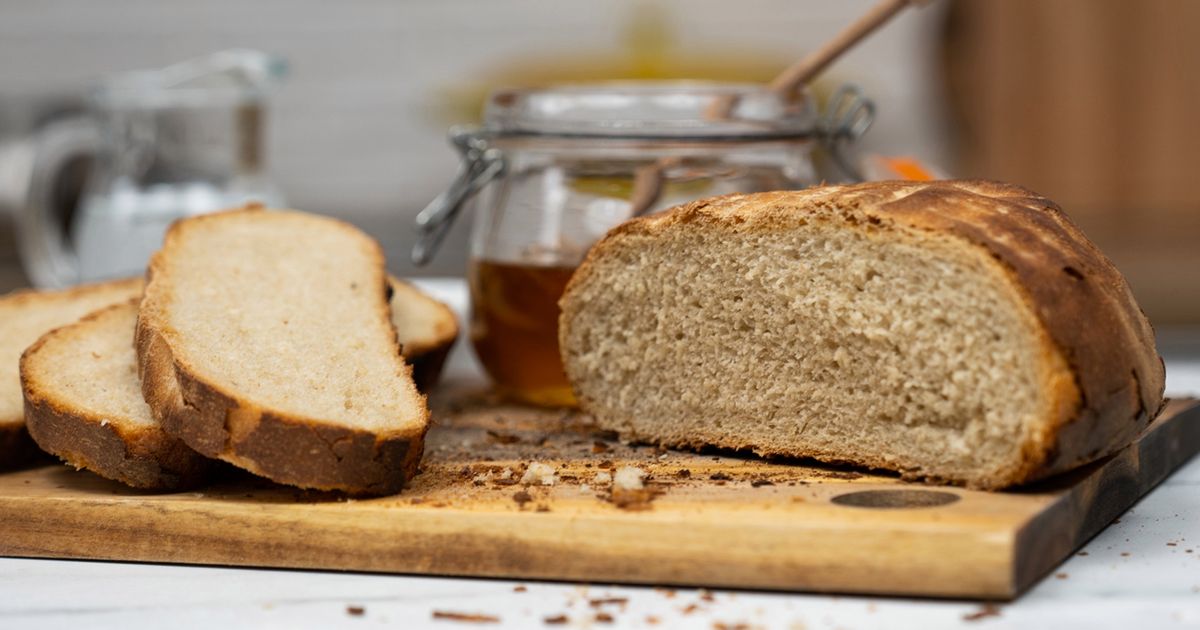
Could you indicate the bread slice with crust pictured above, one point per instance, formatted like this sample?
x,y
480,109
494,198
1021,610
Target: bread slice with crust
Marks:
x,y
427,330
25,316
83,403
959,331
83,400
265,339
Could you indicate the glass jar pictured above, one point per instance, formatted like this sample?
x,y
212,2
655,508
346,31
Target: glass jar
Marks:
x,y
552,170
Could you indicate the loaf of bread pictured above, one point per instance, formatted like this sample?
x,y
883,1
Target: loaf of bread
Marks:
x,y
957,331
84,404
25,316
265,339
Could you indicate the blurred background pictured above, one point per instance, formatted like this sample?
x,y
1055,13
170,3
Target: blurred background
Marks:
x,y
1093,103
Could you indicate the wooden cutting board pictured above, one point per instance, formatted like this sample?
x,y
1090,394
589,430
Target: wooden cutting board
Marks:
x,y
707,519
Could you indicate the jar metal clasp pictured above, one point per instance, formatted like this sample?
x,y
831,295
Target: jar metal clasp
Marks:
x,y
481,164
848,115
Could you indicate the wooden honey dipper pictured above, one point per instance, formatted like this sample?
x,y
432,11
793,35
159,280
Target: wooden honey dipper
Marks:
x,y
649,179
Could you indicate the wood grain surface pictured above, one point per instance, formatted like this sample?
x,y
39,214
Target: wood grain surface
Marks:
x,y
712,519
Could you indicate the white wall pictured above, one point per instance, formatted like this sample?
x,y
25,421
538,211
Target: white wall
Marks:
x,y
358,129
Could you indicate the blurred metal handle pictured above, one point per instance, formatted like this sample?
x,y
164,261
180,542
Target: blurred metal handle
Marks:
x,y
481,164
46,252
848,115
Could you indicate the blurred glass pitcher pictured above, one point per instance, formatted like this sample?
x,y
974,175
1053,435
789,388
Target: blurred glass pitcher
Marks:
x,y
164,144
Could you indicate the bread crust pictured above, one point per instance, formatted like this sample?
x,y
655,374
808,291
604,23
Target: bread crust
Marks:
x,y
147,458
1099,364
23,297
286,448
427,366
428,359
16,446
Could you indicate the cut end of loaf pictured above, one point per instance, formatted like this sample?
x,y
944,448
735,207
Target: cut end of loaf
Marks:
x,y
815,324
825,341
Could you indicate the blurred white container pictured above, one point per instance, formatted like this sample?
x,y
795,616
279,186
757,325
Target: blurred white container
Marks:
x,y
165,144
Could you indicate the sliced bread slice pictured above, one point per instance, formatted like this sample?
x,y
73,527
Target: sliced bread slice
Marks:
x,y
25,316
265,339
83,403
427,330
957,331
83,400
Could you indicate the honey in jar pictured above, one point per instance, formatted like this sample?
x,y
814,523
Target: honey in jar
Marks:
x,y
514,328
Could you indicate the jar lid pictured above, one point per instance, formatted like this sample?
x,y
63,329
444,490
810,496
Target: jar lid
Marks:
x,y
650,110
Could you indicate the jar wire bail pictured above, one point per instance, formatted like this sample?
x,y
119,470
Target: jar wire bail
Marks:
x,y
481,164
848,115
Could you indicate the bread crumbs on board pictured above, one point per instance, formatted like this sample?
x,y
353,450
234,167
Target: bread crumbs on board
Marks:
x,y
539,474
521,498
629,491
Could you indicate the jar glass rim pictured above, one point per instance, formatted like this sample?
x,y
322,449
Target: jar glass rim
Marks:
x,y
650,110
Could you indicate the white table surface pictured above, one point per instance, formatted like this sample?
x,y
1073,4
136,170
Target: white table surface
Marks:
x,y
1141,572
